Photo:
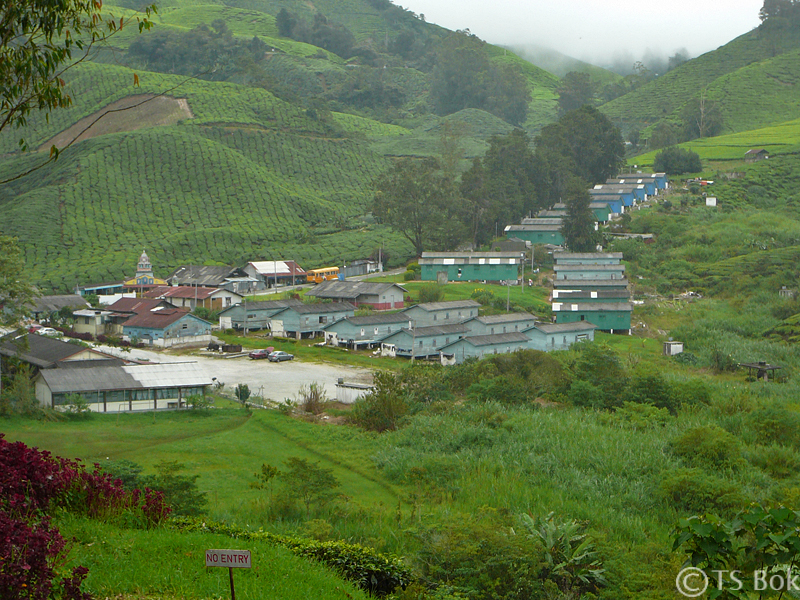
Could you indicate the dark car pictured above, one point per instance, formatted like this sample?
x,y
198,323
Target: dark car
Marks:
x,y
261,353
280,355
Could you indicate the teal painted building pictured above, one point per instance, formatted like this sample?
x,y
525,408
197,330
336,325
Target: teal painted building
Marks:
x,y
355,332
156,326
471,266
583,296
613,317
590,285
309,320
441,313
559,336
507,323
423,342
478,346
537,231
253,315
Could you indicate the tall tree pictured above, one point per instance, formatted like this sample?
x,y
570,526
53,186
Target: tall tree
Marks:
x,y
503,186
578,226
702,117
589,140
418,200
465,77
575,90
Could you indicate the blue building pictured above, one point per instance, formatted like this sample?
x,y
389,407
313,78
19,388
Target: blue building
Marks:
x,y
441,313
309,320
354,332
167,326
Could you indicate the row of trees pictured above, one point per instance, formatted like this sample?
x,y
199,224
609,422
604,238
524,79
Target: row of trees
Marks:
x,y
426,202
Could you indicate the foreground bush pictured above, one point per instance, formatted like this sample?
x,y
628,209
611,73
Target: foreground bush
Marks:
x,y
370,570
34,483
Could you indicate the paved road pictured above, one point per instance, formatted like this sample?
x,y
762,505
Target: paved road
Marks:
x,y
274,381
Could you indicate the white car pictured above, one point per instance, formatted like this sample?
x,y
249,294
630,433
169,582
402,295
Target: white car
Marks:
x,y
50,332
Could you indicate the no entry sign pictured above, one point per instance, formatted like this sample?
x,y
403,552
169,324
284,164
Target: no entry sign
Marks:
x,y
232,559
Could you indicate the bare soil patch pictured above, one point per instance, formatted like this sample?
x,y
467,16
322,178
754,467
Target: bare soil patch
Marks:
x,y
156,111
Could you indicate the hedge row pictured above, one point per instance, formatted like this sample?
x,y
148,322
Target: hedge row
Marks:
x,y
376,573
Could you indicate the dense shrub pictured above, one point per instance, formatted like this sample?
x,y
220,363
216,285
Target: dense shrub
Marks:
x,y
384,408
676,160
649,387
709,447
432,292
775,425
377,573
779,461
505,389
695,491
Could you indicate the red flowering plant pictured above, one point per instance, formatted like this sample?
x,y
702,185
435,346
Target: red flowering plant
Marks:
x,y
33,483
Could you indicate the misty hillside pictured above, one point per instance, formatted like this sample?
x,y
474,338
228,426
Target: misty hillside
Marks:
x,y
754,79
560,64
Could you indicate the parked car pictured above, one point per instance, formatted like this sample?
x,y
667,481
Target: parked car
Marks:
x,y
261,353
279,356
34,328
49,331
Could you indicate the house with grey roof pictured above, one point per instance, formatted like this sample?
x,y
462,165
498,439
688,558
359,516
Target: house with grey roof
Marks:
x,y
123,388
44,306
379,296
559,336
588,271
422,342
505,323
167,327
233,279
308,320
42,352
478,346
252,316
537,231
441,313
355,332
607,316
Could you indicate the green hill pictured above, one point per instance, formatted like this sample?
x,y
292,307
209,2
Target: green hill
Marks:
x,y
560,64
733,75
250,176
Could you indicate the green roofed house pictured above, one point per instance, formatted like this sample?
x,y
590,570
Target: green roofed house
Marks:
x,y
441,313
537,231
422,342
309,320
470,266
354,332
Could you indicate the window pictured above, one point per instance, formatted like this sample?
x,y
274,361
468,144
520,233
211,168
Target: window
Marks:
x,y
446,341
362,332
492,330
376,331
185,326
85,320
323,319
504,328
446,316
565,339
434,316
583,317
389,329
420,343
434,343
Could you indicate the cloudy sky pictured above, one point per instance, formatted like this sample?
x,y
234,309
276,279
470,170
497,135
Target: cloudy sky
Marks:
x,y
598,30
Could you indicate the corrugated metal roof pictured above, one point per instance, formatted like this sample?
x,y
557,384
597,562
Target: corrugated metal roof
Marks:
x,y
210,275
564,327
448,305
351,289
48,304
437,330
320,308
470,254
497,338
588,255
506,318
389,319
265,305
38,350
137,305
281,268
588,267
578,284
593,306
131,377
531,221
157,319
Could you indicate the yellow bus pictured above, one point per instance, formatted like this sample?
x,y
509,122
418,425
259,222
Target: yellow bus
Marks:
x,y
320,275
